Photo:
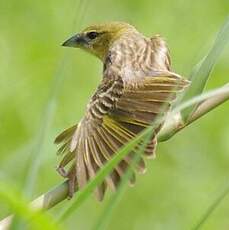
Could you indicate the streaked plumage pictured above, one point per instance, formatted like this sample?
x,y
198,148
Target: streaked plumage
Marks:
x,y
137,86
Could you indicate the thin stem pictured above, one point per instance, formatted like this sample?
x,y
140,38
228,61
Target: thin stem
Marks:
x,y
210,209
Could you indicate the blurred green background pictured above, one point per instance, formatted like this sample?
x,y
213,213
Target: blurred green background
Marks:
x,y
190,170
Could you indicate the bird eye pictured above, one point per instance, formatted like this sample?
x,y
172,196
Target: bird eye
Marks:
x,y
92,35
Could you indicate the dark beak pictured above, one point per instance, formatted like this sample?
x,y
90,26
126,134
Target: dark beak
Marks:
x,y
75,41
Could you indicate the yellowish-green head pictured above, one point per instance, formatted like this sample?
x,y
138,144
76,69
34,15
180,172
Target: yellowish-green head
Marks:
x,y
97,39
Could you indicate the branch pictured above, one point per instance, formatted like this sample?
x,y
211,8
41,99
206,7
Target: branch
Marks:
x,y
175,123
172,125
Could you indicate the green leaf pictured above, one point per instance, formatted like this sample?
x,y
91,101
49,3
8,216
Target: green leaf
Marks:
x,y
202,70
18,205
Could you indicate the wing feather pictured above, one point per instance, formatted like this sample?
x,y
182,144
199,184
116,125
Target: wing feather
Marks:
x,y
115,115
67,133
92,170
81,169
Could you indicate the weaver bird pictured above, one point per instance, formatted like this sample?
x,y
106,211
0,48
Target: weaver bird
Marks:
x,y
137,86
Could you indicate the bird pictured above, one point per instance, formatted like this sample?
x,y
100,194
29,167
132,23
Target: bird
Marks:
x,y
137,86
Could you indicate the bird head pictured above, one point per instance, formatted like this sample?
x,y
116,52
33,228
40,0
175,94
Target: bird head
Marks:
x,y
97,39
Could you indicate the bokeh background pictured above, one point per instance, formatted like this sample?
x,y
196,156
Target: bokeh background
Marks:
x,y
44,88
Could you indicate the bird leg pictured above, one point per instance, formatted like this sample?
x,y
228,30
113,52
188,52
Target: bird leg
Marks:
x,y
72,182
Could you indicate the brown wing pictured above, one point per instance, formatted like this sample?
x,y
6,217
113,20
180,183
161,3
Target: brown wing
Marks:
x,y
115,115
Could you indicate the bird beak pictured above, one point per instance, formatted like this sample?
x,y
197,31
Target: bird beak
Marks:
x,y
75,41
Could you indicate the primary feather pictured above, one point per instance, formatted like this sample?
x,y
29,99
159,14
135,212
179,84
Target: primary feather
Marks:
x,y
137,87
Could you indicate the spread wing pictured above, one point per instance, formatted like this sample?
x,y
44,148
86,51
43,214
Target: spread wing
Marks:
x,y
116,114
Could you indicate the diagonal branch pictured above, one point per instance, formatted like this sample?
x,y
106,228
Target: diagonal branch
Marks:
x,y
173,124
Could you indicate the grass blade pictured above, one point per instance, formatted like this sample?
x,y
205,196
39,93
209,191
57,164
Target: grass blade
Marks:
x,y
211,209
116,197
49,109
202,70
47,116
